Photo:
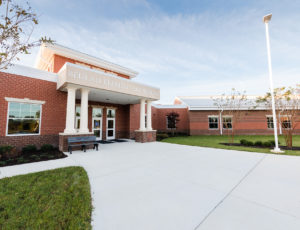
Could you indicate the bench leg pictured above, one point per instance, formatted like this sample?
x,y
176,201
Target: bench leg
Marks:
x,y
96,146
70,149
84,148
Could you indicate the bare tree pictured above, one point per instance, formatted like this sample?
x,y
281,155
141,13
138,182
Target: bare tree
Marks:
x,y
287,103
232,108
16,26
173,119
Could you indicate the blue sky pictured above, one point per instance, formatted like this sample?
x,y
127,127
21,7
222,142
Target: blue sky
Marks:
x,y
187,48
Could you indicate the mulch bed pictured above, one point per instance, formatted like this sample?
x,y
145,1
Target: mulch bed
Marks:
x,y
260,147
32,157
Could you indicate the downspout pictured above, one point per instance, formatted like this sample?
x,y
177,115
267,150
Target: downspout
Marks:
x,y
221,124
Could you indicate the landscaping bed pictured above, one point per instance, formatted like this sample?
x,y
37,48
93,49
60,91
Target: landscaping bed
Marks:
x,y
217,141
53,199
260,147
9,156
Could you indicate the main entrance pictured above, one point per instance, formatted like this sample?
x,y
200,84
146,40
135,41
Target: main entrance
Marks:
x,y
97,122
111,124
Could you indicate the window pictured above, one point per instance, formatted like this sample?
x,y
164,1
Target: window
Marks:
x,y
111,113
213,122
97,112
227,122
285,122
270,122
23,118
171,123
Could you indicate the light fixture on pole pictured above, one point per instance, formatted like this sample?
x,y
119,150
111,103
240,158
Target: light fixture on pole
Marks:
x,y
266,20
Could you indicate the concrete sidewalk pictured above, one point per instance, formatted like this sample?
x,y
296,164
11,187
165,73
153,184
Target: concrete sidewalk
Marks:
x,y
166,186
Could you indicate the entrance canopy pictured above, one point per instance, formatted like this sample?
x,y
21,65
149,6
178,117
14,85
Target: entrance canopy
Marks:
x,y
103,86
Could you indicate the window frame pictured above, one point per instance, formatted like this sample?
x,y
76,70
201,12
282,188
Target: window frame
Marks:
x,y
23,102
270,116
213,116
289,120
226,116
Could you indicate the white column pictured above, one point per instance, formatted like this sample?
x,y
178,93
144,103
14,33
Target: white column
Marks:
x,y
84,111
70,118
149,120
142,115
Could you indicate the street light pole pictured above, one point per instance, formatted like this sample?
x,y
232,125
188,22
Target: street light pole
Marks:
x,y
266,20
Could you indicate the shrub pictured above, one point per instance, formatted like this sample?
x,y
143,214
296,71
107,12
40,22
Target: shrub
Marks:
x,y
258,143
273,142
161,136
6,151
249,143
267,144
20,160
243,142
29,149
47,147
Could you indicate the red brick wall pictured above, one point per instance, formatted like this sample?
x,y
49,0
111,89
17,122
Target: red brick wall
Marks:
x,y
58,62
53,111
134,120
159,120
251,123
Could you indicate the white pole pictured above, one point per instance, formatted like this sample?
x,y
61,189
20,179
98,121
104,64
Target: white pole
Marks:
x,y
276,149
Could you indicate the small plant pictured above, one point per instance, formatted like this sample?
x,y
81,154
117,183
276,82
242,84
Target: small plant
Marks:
x,y
249,143
47,148
35,157
273,142
267,144
161,136
29,149
243,142
258,143
20,160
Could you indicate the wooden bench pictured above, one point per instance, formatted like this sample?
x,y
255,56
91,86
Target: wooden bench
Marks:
x,y
83,142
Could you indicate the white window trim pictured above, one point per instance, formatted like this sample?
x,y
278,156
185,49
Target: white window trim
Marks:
x,y
24,100
227,116
7,117
213,116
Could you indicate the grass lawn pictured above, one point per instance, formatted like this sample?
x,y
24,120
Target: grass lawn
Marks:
x,y
54,199
214,142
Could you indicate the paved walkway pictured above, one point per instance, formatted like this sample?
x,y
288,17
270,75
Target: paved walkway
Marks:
x,y
157,186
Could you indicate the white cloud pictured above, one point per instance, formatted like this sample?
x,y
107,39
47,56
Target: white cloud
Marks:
x,y
189,54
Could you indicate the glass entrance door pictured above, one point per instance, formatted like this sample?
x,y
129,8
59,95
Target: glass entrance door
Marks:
x,y
110,124
97,123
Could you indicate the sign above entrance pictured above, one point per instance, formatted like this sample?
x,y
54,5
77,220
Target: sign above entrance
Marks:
x,y
86,77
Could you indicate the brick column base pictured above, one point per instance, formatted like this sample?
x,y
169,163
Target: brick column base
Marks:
x,y
145,136
63,141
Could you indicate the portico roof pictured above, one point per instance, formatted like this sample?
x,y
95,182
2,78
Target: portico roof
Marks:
x,y
104,86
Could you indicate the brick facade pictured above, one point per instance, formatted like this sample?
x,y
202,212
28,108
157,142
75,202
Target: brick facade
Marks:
x,y
159,119
145,136
53,116
252,122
